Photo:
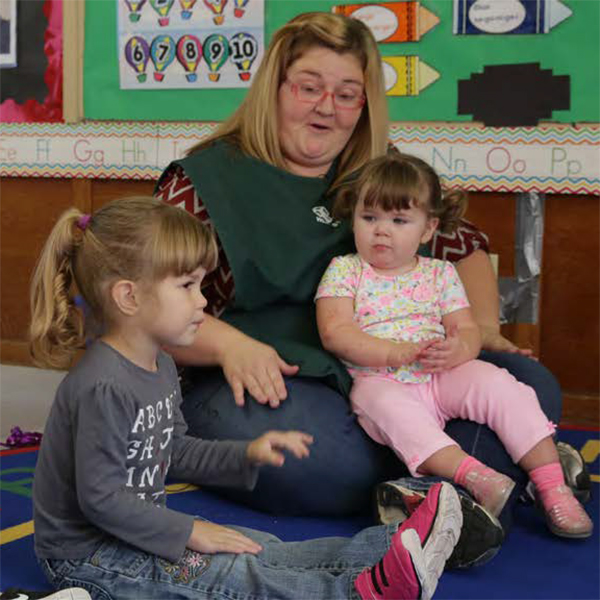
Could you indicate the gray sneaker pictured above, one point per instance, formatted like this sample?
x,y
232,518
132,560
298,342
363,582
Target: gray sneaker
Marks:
x,y
481,534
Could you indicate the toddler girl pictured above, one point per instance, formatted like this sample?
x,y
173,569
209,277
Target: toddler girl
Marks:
x,y
403,326
115,430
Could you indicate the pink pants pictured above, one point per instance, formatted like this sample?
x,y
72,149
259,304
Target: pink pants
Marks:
x,y
410,417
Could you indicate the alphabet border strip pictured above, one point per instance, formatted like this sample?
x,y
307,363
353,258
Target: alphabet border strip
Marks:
x,y
551,158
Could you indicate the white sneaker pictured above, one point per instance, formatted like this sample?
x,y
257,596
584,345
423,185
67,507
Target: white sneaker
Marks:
x,y
66,594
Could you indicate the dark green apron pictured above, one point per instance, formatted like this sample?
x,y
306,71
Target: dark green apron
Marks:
x,y
278,237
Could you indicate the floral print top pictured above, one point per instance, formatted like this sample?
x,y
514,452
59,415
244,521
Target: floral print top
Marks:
x,y
403,308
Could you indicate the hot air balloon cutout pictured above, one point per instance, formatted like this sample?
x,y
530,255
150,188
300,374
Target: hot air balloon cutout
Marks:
x,y
239,8
137,53
217,6
215,52
162,53
134,7
189,54
186,8
244,49
162,7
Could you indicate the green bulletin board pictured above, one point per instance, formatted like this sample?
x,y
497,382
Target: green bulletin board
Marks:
x,y
572,48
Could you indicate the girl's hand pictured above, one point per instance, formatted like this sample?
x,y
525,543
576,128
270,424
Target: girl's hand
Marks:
x,y
404,353
445,354
256,367
210,538
266,450
494,341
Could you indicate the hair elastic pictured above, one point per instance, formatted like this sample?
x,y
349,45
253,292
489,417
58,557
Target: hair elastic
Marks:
x,y
83,222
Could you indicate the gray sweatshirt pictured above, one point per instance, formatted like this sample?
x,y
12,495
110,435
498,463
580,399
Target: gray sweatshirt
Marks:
x,y
113,432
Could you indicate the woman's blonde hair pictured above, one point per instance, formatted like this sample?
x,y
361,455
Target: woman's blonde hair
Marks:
x,y
253,126
138,239
399,181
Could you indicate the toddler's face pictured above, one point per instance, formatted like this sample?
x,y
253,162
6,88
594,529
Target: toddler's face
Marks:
x,y
389,240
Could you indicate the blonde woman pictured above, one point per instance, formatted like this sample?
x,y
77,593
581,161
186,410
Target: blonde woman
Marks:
x,y
265,181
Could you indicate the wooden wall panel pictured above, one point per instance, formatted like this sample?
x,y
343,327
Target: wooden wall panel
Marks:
x,y
569,312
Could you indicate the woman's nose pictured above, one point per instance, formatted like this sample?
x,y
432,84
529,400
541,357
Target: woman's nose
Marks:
x,y
326,105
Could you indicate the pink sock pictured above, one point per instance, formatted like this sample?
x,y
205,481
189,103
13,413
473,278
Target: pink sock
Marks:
x,y
547,478
460,475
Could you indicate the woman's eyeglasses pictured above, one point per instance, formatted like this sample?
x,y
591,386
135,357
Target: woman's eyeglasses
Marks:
x,y
343,98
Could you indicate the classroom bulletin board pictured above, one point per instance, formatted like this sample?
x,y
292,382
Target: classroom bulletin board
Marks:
x,y
572,49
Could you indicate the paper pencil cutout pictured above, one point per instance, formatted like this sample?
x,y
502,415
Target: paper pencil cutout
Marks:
x,y
475,17
392,21
513,95
407,75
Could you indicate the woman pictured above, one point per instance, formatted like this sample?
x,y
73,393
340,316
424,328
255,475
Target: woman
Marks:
x,y
315,113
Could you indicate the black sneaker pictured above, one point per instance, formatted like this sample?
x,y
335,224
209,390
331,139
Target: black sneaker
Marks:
x,y
66,594
575,470
481,534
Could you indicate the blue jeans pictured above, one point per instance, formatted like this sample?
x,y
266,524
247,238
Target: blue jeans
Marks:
x,y
345,464
312,569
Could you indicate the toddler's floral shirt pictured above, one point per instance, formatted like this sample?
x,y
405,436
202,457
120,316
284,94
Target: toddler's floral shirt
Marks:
x,y
403,308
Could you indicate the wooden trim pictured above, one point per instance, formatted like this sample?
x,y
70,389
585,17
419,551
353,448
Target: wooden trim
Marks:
x,y
73,36
82,194
15,353
581,410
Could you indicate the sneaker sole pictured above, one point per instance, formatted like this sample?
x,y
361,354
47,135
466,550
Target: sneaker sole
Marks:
x,y
429,561
481,535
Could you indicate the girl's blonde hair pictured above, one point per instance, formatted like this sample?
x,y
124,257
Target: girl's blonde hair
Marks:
x,y
253,126
399,181
138,239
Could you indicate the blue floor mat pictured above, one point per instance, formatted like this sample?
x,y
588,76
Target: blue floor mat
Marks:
x,y
532,563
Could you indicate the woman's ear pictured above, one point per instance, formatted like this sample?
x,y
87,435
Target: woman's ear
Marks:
x,y
430,227
125,295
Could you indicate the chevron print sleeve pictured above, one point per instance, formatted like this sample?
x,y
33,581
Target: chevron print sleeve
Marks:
x,y
459,244
177,189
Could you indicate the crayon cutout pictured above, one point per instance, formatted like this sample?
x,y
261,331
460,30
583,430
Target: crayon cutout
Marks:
x,y
516,95
392,21
477,17
407,75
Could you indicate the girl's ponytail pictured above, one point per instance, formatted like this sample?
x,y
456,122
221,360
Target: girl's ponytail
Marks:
x,y
453,208
57,327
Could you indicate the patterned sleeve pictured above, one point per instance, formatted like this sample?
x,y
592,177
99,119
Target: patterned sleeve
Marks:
x,y
460,244
177,189
452,296
340,279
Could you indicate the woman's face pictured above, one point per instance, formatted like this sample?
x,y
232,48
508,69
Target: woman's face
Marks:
x,y
313,133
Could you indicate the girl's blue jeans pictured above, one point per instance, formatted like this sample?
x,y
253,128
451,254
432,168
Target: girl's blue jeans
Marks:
x,y
344,464
311,570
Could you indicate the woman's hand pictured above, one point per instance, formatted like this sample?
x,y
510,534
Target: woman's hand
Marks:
x,y
210,538
266,450
256,367
494,341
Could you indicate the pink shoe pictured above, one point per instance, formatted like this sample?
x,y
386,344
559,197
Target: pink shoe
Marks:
x,y
489,488
412,566
564,514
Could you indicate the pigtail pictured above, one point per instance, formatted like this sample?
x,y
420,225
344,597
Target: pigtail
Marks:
x,y
57,327
454,206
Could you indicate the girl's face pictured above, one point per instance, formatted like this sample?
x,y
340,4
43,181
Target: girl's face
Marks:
x,y
313,133
389,240
174,310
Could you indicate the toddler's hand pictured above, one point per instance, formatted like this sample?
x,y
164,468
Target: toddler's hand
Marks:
x,y
444,354
266,450
404,353
210,538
